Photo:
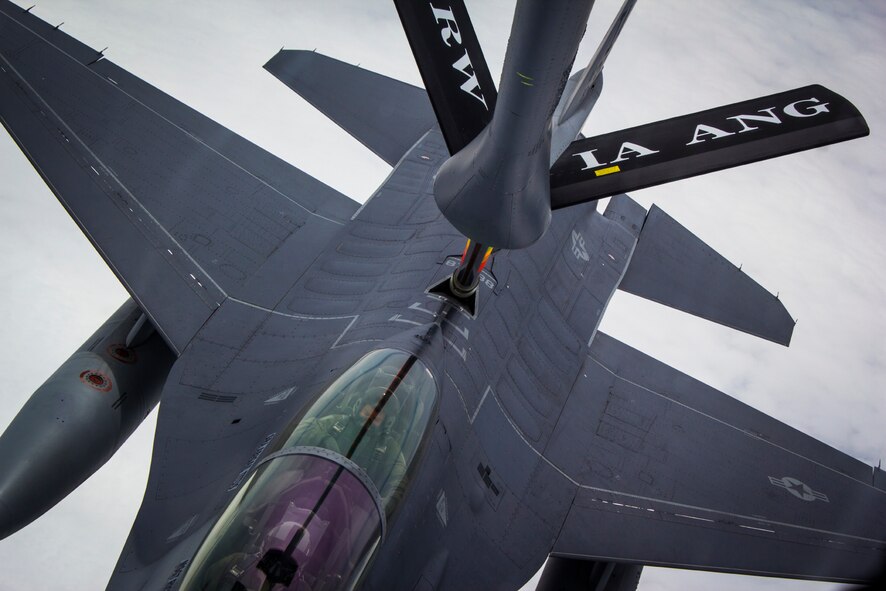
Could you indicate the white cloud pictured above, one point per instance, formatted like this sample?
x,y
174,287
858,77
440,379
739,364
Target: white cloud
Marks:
x,y
810,226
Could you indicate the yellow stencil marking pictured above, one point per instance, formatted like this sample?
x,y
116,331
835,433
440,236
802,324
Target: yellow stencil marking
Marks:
x,y
605,171
485,258
525,80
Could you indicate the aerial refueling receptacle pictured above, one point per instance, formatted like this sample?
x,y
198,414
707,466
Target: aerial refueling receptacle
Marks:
x,y
80,416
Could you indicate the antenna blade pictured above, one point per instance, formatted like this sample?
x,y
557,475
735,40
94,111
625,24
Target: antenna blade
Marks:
x,y
702,142
452,67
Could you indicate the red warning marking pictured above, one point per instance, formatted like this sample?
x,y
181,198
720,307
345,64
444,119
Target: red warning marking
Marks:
x,y
122,353
96,379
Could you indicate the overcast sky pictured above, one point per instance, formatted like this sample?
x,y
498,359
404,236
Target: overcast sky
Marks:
x,y
809,226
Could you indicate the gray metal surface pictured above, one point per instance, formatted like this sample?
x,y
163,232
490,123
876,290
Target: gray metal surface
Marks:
x,y
262,365
655,469
496,189
386,115
673,267
185,212
549,436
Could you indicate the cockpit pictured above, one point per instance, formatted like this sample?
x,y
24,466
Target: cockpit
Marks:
x,y
311,515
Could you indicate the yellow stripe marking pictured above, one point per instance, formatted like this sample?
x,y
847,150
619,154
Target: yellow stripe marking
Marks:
x,y
525,80
605,171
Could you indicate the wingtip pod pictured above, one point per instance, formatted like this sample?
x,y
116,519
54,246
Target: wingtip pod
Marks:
x,y
703,142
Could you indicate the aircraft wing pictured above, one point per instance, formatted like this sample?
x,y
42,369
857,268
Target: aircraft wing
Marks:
x,y
671,472
185,212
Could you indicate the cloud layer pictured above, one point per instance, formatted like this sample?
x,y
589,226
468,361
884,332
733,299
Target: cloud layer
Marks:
x,y
809,226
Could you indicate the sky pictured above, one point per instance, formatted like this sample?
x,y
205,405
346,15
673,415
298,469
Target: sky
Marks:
x,y
811,227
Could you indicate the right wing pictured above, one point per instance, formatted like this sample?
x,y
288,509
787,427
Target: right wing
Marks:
x,y
185,212
671,472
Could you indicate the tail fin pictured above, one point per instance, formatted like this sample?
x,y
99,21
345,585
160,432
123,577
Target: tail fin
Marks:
x,y
583,89
573,102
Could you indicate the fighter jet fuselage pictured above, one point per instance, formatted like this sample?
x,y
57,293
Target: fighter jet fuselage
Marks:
x,y
353,397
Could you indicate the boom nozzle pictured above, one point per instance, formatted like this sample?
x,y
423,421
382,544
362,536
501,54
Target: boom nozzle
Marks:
x,y
497,189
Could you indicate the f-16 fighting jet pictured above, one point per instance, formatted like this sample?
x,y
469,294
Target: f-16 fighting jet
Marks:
x,y
351,396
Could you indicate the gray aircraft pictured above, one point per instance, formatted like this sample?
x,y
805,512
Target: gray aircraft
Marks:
x,y
352,396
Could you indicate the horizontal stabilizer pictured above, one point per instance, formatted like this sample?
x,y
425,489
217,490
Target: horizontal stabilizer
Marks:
x,y
674,267
452,66
702,142
385,115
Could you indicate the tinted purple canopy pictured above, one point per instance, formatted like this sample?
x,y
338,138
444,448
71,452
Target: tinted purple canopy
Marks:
x,y
301,522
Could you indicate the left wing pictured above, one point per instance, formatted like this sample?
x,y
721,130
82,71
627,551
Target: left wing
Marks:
x,y
671,472
185,212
